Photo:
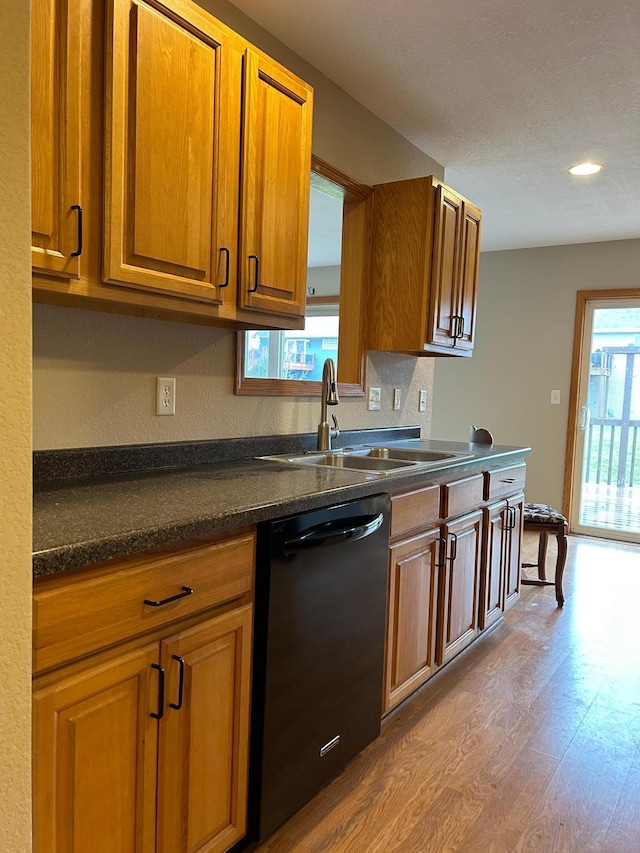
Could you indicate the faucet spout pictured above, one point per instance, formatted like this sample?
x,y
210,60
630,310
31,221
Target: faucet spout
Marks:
x,y
328,397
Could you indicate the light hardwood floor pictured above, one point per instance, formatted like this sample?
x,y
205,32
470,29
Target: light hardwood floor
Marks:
x,y
529,742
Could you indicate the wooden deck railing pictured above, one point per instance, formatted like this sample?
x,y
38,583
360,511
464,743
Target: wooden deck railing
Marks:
x,y
613,452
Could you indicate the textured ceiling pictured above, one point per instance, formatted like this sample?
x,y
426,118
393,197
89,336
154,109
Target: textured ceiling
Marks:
x,y
506,94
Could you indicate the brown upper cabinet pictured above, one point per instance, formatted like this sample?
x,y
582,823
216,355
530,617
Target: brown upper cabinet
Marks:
x,y
56,218
426,252
207,154
170,221
276,172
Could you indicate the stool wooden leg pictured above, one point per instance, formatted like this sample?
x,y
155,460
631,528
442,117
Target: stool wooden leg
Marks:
x,y
542,555
561,536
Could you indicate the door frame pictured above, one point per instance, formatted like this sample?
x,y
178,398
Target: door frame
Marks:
x,y
582,298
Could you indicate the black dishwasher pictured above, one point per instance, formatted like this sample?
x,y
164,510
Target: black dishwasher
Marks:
x,y
321,591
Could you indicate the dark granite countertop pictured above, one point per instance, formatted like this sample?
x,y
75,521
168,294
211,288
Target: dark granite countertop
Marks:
x,y
88,520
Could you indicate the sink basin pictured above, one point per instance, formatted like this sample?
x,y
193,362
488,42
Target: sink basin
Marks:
x,y
360,461
373,459
356,460
416,455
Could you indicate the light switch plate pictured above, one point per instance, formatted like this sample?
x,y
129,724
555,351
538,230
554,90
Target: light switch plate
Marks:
x,y
555,398
374,399
397,399
422,401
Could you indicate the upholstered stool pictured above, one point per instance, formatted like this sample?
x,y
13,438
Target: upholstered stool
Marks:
x,y
544,520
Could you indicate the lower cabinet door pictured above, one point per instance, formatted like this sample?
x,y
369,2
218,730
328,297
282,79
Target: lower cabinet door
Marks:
x,y
95,752
412,615
461,591
203,753
513,549
494,568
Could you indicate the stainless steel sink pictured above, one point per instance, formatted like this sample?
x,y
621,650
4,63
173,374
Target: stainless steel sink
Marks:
x,y
416,455
360,462
373,459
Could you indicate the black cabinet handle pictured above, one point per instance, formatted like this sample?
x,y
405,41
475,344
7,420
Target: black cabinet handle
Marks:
x,y
457,323
177,705
454,548
160,712
225,283
442,557
78,251
257,279
457,327
186,590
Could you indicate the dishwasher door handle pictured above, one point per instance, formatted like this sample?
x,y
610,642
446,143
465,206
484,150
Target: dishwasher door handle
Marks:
x,y
334,533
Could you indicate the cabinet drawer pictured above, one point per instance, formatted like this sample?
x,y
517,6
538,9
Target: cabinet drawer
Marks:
x,y
100,607
459,496
414,509
504,481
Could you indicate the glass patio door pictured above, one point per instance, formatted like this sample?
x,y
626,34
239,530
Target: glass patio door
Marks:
x,y
606,488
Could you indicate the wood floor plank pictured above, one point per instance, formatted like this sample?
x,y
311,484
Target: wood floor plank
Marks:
x,y
561,708
580,801
439,827
623,833
516,793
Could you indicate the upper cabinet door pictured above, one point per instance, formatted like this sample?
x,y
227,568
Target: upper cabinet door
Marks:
x,y
276,162
469,268
55,137
446,268
172,144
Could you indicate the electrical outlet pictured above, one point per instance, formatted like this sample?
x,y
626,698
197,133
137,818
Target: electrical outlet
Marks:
x,y
165,396
374,400
397,399
555,398
422,401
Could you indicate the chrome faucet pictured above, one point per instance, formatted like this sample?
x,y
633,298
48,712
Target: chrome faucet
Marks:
x,y
329,397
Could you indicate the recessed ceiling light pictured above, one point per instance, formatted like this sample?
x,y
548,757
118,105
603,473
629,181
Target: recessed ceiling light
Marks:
x,y
585,169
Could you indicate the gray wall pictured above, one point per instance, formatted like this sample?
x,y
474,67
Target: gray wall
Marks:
x,y
526,312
